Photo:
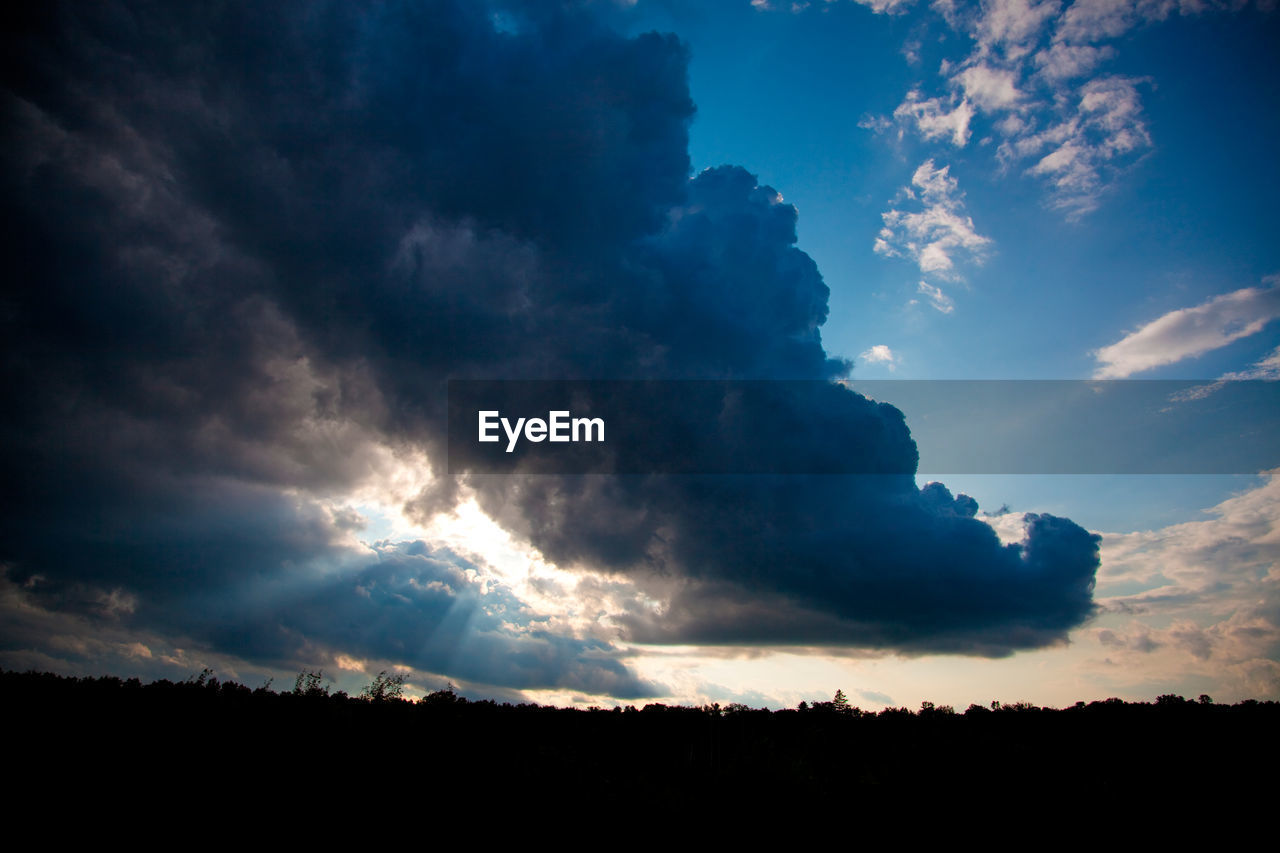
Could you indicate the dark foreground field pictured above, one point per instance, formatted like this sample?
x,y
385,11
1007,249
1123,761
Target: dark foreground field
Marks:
x,y
203,742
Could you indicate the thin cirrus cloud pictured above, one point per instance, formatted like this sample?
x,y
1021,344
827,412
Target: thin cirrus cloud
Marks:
x,y
939,300
1190,332
1266,369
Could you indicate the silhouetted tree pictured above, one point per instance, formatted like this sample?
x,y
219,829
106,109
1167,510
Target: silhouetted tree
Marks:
x,y
202,679
384,687
310,684
447,696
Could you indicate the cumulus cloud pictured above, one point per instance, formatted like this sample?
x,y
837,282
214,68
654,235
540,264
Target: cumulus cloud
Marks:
x,y
989,88
246,261
935,235
880,354
1190,332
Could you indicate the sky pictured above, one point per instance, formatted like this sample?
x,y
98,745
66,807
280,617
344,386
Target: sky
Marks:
x,y
249,246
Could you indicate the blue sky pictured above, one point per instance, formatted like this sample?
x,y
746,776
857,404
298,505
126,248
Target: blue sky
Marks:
x,y
241,282
804,95
1173,207
1183,216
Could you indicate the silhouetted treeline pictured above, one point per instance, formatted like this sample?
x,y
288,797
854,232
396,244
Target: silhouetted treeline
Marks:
x,y
198,733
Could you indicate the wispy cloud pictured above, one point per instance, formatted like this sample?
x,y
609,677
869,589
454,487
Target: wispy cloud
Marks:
x,y
938,232
1075,153
1032,71
936,297
1061,61
1094,20
1013,26
936,118
1191,332
891,7
1266,369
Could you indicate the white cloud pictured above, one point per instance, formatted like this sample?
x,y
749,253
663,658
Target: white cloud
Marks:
x,y
933,120
1266,369
1095,20
885,6
1209,608
1013,25
880,7
990,88
1029,71
880,354
1012,125
940,230
1075,153
1190,332
937,298
936,185
1061,61
1111,107
876,124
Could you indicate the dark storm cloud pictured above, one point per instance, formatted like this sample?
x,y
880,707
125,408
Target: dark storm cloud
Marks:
x,y
895,576
862,560
248,243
